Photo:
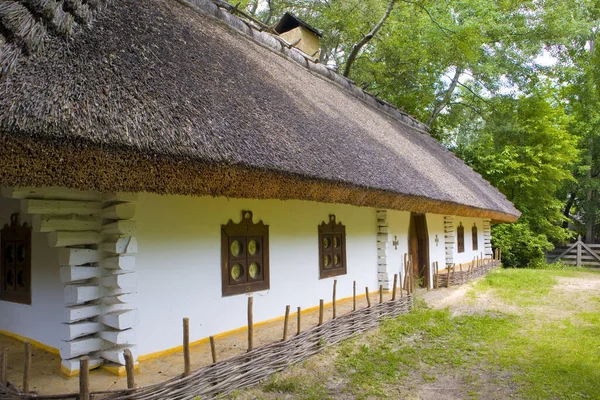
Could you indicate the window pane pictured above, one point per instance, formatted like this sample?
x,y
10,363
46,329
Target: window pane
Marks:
x,y
236,248
253,247
326,241
237,273
327,261
254,270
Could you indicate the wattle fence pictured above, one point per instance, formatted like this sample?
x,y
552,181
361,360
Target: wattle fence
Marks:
x,y
247,369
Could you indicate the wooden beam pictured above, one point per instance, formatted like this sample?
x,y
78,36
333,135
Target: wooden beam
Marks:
x,y
126,227
124,245
60,207
70,273
78,256
119,211
51,223
119,337
78,347
78,313
121,262
121,320
121,281
80,329
68,238
49,193
79,294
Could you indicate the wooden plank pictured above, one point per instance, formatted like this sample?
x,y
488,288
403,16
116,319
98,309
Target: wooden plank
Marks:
x,y
121,262
49,193
119,337
121,320
126,227
124,245
79,347
79,294
60,207
78,313
51,223
120,281
116,355
120,197
78,256
119,211
70,274
68,238
80,329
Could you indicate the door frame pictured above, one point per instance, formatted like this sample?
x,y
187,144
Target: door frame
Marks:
x,y
418,244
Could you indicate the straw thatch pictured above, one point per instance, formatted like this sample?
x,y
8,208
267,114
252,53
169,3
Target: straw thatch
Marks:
x,y
160,96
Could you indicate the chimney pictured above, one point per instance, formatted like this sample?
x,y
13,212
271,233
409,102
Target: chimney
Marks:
x,y
298,33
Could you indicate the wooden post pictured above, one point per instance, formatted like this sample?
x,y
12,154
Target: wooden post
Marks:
x,y
320,312
405,283
299,320
460,267
368,298
285,322
394,287
354,296
448,283
4,366
579,251
84,378
500,254
437,275
380,294
411,274
250,324
27,367
496,254
334,290
186,347
129,369
213,349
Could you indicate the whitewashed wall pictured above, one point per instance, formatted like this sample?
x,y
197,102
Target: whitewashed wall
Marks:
x,y
42,319
398,227
469,253
179,262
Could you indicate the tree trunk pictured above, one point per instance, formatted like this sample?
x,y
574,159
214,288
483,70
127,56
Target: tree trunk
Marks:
x,y
567,211
366,39
447,96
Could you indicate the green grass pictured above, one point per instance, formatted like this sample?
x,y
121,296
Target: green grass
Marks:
x,y
548,349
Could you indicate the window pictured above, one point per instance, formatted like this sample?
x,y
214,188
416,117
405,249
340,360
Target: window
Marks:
x,y
244,256
332,248
474,234
460,238
15,278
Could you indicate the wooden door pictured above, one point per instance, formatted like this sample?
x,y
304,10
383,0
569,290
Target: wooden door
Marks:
x,y
418,247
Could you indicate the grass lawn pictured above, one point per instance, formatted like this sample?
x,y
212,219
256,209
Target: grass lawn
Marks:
x,y
524,334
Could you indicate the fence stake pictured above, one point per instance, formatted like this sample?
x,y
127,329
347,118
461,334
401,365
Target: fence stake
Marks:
x,y
4,366
448,282
27,367
380,294
299,320
186,347
394,288
285,322
129,369
320,312
84,378
368,298
334,290
250,324
213,350
354,296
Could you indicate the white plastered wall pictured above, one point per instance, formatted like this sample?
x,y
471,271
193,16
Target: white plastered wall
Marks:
x,y
179,262
398,230
437,251
468,255
40,321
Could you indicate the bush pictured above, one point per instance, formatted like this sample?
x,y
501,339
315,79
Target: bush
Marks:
x,y
521,247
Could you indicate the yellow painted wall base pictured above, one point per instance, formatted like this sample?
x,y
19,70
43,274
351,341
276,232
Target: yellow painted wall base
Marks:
x,y
177,349
117,370
34,343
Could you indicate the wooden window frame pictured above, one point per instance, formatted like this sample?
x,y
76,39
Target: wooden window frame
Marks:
x,y
244,232
17,238
460,238
474,237
330,230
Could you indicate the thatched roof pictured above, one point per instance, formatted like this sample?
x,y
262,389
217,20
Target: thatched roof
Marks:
x,y
161,96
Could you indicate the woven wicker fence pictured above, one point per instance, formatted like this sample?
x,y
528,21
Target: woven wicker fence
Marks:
x,y
247,369
461,277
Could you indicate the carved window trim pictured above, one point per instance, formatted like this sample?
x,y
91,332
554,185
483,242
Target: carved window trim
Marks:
x,y
460,238
331,233
475,239
247,235
15,264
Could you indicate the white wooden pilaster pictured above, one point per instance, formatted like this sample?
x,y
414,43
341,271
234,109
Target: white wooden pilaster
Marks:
x,y
449,239
383,277
487,239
